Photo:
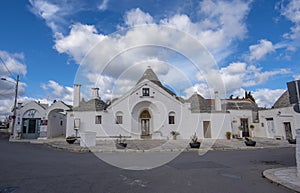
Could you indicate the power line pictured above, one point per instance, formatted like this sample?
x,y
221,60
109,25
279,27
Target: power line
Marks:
x,y
6,67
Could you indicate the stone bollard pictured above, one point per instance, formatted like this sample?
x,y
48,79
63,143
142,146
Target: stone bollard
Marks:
x,y
88,139
298,151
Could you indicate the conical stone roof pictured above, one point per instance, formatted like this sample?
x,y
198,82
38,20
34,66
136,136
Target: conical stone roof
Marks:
x,y
283,101
150,75
199,104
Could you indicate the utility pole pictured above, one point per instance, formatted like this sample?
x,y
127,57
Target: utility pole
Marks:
x,y
15,105
15,101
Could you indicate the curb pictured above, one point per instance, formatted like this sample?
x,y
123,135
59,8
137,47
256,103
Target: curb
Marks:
x,y
111,150
95,150
284,176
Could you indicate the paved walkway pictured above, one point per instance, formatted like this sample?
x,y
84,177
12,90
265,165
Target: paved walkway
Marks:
x,y
284,176
108,145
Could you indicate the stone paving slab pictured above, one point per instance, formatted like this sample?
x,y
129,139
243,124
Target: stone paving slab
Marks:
x,y
284,176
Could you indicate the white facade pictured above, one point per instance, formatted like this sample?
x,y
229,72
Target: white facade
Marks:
x,y
35,120
280,123
148,111
151,111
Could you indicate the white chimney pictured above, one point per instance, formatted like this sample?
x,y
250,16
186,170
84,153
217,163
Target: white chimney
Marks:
x,y
95,93
218,106
76,95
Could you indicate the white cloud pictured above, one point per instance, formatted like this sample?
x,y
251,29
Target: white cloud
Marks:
x,y
258,51
292,12
137,17
80,40
56,13
296,77
55,91
200,88
223,23
228,15
47,11
240,75
13,63
267,97
103,5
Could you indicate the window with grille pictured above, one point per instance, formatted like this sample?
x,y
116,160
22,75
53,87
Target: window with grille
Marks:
x,y
171,118
98,119
119,118
146,92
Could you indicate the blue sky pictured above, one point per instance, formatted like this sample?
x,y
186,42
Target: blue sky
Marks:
x,y
255,45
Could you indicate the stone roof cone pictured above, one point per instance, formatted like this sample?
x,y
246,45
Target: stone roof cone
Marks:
x,y
149,74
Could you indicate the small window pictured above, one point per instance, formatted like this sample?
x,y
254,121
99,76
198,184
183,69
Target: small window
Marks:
x,y
61,122
146,92
119,118
98,119
171,118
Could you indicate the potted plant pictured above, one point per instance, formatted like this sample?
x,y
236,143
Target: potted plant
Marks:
x,y
71,139
174,134
228,135
194,142
121,143
249,142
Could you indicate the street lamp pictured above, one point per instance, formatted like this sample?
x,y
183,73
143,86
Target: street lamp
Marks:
x,y
15,102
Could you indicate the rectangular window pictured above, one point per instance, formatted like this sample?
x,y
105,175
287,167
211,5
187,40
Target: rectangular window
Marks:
x,y
98,119
146,92
171,119
119,119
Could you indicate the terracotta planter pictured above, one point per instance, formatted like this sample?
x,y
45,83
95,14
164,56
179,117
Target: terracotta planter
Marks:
x,y
174,137
228,137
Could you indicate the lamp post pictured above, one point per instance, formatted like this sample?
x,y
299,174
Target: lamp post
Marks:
x,y
15,101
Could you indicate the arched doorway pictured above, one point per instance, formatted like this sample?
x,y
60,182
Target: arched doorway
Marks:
x,y
145,118
56,123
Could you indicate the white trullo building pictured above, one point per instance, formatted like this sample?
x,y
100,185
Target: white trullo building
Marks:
x,y
148,111
151,111
281,121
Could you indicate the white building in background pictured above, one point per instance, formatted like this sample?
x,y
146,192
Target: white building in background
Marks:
x,y
151,111
281,121
243,115
36,120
